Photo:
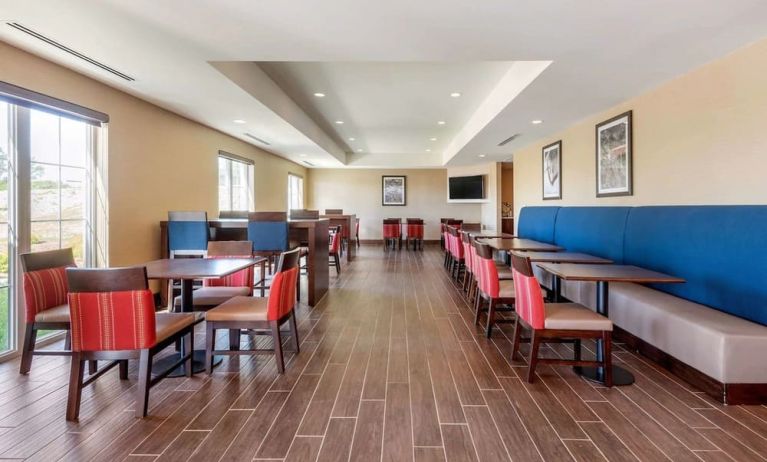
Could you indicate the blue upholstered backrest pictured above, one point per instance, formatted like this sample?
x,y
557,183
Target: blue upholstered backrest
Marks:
x,y
593,230
537,223
187,235
721,251
268,235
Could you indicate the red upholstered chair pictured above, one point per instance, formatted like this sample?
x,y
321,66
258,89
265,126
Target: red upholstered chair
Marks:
x,y
258,314
415,230
555,321
216,291
45,300
457,260
392,233
113,318
495,287
334,247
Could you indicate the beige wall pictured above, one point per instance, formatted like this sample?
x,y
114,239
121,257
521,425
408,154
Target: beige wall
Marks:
x,y
698,139
157,160
358,191
507,184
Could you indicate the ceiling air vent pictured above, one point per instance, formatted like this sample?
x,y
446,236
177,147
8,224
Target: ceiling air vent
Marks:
x,y
308,163
254,137
72,52
508,140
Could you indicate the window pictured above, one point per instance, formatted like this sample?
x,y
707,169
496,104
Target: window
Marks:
x,y
235,183
47,190
295,192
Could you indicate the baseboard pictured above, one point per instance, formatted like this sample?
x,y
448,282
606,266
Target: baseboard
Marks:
x,y
726,393
380,241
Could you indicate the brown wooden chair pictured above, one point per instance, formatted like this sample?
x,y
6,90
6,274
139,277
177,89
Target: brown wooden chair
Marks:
x,y
415,230
258,315
45,301
392,233
334,247
555,321
113,318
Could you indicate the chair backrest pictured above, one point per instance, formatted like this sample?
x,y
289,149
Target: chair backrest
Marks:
x,y
188,233
415,228
334,211
335,241
282,294
233,214
488,273
465,243
357,226
268,231
528,300
304,214
45,281
391,228
111,309
231,249
456,248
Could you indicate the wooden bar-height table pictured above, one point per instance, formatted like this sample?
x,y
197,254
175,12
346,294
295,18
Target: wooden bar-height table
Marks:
x,y
604,274
350,223
517,244
313,232
188,270
562,257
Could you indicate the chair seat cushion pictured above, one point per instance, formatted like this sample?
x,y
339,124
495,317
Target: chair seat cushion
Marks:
x,y
239,309
55,314
506,288
213,296
168,324
505,273
572,316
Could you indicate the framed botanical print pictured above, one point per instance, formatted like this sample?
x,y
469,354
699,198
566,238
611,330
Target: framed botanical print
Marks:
x,y
393,190
614,151
552,171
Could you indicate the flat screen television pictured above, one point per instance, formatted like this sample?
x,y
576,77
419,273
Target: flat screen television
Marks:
x,y
467,187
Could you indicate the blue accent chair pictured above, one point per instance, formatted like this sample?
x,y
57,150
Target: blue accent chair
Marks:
x,y
269,233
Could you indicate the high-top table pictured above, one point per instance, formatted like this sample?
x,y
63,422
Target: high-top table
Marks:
x,y
350,223
518,244
562,257
314,232
188,270
604,274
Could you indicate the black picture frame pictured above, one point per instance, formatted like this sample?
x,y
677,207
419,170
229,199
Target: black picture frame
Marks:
x,y
624,120
389,186
546,172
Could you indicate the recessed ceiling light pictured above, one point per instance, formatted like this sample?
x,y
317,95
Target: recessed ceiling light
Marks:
x,y
302,155
359,150
455,94
441,122
481,155
319,95
238,121
428,150
339,122
352,139
432,139
536,121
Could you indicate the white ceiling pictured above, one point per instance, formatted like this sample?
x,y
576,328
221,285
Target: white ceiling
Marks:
x,y
388,67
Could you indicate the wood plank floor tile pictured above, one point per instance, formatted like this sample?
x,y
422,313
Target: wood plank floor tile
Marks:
x,y
459,446
607,442
338,440
484,433
183,446
318,414
421,454
304,448
368,435
513,432
254,430
585,451
398,434
218,440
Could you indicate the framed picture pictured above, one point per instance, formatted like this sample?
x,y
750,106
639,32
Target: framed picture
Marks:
x,y
552,171
393,190
614,156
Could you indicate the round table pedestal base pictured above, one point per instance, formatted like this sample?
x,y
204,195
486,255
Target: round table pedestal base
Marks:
x,y
198,363
620,375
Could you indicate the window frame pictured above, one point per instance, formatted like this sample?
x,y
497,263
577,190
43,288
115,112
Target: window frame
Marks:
x,y
250,165
291,176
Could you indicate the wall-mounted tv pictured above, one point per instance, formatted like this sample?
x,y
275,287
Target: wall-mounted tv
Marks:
x,y
467,187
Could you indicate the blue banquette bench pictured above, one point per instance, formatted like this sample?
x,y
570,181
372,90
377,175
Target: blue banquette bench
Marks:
x,y
711,330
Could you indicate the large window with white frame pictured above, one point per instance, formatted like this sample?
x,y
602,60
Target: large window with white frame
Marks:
x,y
235,183
295,192
48,161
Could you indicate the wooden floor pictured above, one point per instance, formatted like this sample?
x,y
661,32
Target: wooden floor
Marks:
x,y
391,369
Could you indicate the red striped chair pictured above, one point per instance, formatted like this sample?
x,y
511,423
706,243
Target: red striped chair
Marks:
x,y
494,287
457,257
555,321
113,318
258,314
392,233
415,230
334,248
45,301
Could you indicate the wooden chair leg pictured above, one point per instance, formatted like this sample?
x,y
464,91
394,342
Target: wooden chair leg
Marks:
x,y
477,308
294,331
337,262
515,338
144,376
535,342
30,335
93,367
490,317
123,365
210,345
68,341
75,387
608,361
234,339
275,325
577,350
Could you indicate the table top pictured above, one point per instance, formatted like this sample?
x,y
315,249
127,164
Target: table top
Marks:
x,y
198,268
493,236
563,257
608,273
519,244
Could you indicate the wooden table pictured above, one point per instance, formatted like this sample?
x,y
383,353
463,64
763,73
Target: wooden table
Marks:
x,y
517,244
350,223
604,274
313,232
188,270
562,257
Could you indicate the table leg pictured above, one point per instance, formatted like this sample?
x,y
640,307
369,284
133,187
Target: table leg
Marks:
x,y
556,289
620,375
198,356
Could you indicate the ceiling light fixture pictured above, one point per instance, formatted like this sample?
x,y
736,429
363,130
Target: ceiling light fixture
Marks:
x,y
352,139
455,94
359,150
441,122
432,139
481,155
238,121
428,150
302,155
536,121
339,122
319,95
